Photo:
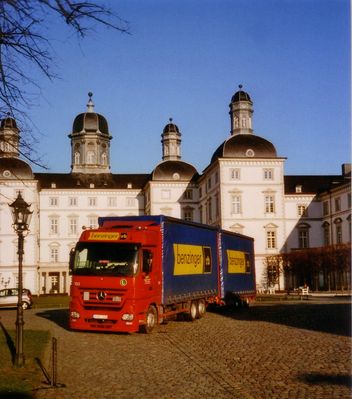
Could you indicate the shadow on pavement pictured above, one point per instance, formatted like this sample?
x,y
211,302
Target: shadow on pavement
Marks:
x,y
9,342
334,318
15,395
330,379
58,316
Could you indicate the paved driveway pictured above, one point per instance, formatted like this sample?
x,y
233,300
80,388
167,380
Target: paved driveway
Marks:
x,y
298,350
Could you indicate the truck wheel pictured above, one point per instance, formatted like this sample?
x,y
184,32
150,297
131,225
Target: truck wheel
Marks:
x,y
233,302
25,305
201,308
150,320
193,311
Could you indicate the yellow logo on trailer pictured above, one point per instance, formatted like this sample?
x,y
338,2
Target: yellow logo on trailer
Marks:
x,y
103,236
191,259
238,262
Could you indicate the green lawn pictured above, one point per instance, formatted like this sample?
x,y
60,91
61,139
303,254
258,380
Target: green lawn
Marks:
x,y
51,301
30,376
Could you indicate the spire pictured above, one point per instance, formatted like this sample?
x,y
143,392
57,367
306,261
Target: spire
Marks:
x,y
90,105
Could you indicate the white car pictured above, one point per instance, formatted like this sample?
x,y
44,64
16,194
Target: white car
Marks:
x,y
9,298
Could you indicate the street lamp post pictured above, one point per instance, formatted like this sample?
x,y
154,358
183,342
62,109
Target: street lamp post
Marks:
x,y
21,218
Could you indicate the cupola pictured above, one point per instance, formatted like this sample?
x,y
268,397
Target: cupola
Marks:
x,y
90,142
241,111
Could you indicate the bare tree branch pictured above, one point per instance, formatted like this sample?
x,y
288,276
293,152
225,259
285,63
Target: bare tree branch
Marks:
x,y
23,43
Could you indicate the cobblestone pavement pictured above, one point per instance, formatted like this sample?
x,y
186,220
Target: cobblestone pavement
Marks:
x,y
283,350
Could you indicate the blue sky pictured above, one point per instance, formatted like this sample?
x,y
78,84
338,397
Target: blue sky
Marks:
x,y
185,60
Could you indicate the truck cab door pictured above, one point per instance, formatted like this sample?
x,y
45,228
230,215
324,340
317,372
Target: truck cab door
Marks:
x,y
146,282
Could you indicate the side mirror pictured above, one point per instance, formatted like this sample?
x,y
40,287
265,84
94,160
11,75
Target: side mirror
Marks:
x,y
71,260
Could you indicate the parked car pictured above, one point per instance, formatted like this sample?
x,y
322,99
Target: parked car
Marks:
x,y
9,298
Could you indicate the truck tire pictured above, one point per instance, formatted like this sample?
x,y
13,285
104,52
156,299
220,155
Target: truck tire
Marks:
x,y
201,308
233,302
150,320
193,311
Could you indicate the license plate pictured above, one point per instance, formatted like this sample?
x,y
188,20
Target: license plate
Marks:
x,y
100,316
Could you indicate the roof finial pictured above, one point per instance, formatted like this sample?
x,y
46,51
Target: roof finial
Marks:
x,y
240,86
90,105
170,120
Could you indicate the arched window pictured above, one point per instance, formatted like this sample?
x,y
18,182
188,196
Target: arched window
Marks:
x,y
77,158
326,232
104,158
91,157
303,235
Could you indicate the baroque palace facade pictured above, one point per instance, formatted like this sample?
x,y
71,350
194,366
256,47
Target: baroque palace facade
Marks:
x,y
243,189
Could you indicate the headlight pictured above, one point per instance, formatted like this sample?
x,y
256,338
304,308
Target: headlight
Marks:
x,y
75,315
127,317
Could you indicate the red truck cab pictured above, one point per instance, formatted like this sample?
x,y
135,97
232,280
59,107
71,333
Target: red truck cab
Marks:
x,y
116,278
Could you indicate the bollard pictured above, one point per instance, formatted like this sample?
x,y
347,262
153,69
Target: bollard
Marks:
x,y
54,363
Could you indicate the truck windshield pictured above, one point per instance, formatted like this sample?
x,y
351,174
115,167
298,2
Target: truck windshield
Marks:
x,y
108,259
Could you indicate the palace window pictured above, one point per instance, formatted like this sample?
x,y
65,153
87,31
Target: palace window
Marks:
x,y
337,204
236,207
268,174
72,201
303,238
188,214
326,233
302,210
201,214
54,225
92,201
270,239
73,226
339,233
217,206
92,221
188,195
209,210
269,204
235,174
54,253
338,230
54,201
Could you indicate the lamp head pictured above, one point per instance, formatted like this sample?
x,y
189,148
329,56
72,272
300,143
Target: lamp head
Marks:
x,y
21,214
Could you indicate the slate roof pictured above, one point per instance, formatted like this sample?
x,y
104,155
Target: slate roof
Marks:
x,y
312,184
237,146
83,181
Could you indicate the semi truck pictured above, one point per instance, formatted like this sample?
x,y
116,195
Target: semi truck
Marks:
x,y
134,272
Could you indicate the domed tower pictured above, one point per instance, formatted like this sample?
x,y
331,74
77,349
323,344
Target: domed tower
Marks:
x,y
243,143
9,138
171,142
172,167
90,142
241,113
